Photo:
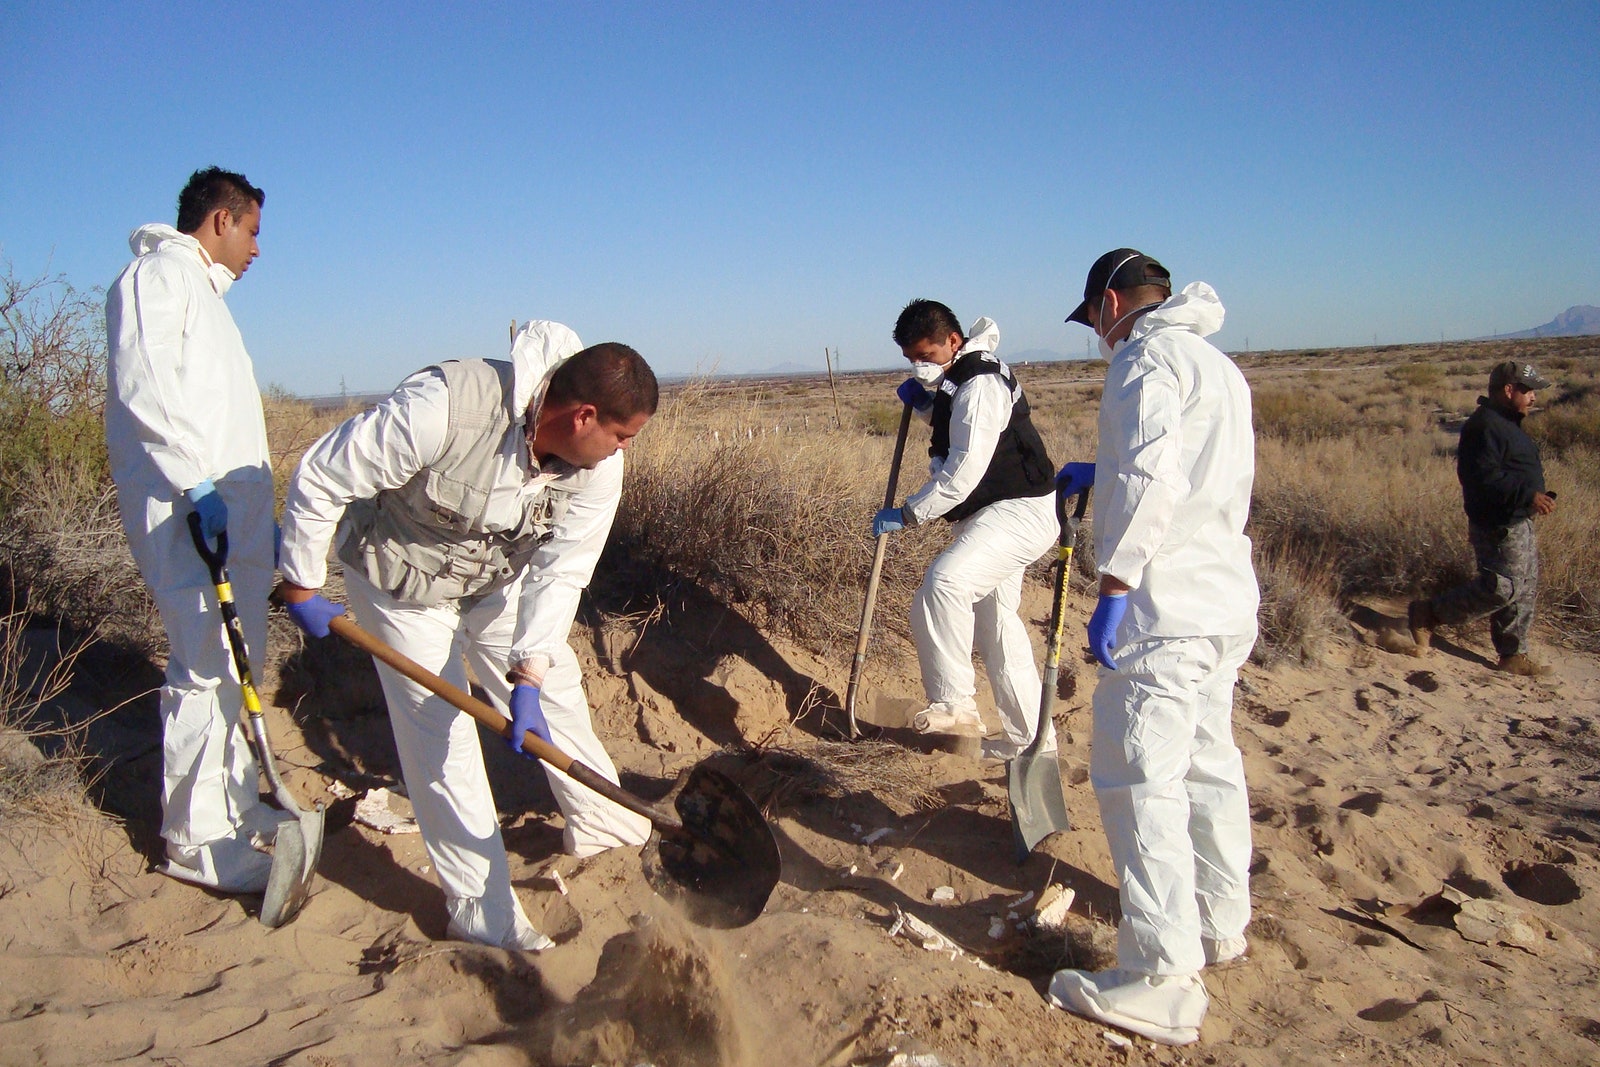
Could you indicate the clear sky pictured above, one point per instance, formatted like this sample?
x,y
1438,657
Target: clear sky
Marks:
x,y
736,186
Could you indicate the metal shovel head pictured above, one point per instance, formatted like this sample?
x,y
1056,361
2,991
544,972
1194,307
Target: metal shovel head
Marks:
x,y
723,864
1038,804
295,852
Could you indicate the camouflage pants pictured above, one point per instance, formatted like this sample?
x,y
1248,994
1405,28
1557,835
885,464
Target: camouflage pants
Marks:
x,y
1505,588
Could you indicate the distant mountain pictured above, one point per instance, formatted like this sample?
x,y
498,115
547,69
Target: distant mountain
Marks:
x,y
1580,320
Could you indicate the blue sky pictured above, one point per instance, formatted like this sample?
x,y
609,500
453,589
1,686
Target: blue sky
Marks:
x,y
739,185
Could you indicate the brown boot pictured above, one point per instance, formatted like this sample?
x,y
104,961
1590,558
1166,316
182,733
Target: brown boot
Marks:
x,y
1419,616
1517,663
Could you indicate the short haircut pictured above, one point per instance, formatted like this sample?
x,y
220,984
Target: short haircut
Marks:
x,y
612,377
1142,295
925,320
212,188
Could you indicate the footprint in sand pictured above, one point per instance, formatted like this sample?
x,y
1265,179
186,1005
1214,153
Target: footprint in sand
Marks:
x,y
1423,680
1366,803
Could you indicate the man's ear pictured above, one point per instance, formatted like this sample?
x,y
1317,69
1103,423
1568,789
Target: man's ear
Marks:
x,y
583,415
220,220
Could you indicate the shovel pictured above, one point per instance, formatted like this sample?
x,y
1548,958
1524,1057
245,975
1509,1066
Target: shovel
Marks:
x,y
298,844
864,633
717,853
1038,804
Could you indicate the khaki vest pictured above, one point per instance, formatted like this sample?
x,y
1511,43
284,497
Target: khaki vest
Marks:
x,y
424,543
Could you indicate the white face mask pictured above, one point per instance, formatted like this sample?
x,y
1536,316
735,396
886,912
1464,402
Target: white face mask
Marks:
x,y
221,278
925,372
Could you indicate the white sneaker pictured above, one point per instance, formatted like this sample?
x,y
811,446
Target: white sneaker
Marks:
x,y
231,864
1167,1008
948,718
1220,952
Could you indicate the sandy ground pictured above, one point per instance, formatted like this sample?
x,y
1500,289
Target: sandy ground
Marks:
x,y
1426,884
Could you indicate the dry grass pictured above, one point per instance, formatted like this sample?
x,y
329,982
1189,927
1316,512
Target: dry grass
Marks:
x,y
41,764
782,778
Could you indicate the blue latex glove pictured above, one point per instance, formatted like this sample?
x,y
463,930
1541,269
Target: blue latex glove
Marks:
x,y
888,520
911,392
313,615
277,546
1103,625
526,714
209,506
1075,478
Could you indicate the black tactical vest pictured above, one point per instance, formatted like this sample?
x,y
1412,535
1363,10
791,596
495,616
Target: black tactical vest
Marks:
x,y
1020,467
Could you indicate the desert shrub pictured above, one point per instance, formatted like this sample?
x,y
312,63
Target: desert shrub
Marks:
x,y
1416,376
1571,421
1299,613
1296,415
41,766
881,420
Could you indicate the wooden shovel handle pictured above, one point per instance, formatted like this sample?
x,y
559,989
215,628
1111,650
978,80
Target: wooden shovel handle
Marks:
x,y
532,743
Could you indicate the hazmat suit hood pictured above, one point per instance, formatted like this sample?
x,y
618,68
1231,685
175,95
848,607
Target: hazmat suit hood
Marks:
x,y
982,336
148,238
1196,309
536,351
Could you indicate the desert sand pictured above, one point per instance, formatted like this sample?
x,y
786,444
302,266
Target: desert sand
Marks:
x,y
1425,881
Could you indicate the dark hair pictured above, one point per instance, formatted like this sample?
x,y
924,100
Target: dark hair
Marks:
x,y
925,320
612,377
212,188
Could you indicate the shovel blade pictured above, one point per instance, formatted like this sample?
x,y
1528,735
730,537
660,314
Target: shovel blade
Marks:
x,y
1038,799
724,863
295,852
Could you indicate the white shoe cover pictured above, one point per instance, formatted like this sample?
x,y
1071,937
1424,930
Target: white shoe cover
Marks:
x,y
468,923
942,718
1222,951
231,864
1167,1008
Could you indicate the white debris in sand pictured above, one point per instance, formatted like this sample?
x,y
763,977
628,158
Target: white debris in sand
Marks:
x,y
373,811
1054,903
877,835
930,939
899,869
1116,1039
942,893
1023,899
920,1059
340,790
997,927
561,883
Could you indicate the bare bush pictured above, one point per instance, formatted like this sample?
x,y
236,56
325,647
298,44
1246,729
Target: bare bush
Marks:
x,y
41,765
52,342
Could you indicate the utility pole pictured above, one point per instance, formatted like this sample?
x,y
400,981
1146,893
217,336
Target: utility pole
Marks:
x,y
825,358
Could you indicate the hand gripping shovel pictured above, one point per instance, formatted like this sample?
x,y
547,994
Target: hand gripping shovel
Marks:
x,y
864,633
1038,806
298,844
717,852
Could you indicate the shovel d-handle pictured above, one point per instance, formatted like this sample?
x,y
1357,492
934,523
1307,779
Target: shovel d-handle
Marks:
x,y
217,563
532,743
864,632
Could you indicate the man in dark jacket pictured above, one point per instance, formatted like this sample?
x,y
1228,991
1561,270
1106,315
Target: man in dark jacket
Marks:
x,y
1502,489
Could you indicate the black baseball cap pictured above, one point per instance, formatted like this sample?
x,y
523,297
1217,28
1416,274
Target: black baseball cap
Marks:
x,y
1121,268
1514,372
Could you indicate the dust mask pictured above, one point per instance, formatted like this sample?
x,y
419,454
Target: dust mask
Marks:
x,y
926,373
221,278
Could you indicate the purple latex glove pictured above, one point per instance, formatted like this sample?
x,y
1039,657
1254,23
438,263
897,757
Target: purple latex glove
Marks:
x,y
313,615
911,392
526,714
1075,478
888,520
1103,626
208,504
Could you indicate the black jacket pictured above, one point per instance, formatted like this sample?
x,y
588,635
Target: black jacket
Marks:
x,y
1020,466
1499,468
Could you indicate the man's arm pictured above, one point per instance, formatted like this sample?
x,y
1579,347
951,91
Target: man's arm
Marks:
x,y
563,565
1141,434
145,317
979,413
379,449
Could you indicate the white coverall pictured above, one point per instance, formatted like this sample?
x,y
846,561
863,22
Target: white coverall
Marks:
x,y
529,618
181,407
974,588
1173,473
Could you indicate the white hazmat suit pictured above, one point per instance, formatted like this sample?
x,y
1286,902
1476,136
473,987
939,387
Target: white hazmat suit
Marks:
x,y
527,618
1173,473
973,590
182,407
